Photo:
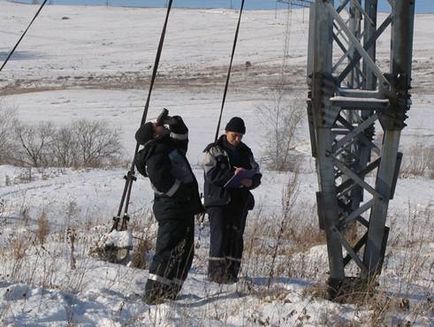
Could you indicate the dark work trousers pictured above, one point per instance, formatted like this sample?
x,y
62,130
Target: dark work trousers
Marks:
x,y
227,224
172,260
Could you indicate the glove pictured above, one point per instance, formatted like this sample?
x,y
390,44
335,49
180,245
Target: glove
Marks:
x,y
165,119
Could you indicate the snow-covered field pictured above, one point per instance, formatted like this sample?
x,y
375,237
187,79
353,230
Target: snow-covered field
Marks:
x,y
95,63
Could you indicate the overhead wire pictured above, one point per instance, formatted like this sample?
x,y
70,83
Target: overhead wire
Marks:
x,y
130,177
228,75
22,35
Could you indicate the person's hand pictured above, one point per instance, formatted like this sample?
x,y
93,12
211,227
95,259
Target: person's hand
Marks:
x,y
246,182
162,117
238,170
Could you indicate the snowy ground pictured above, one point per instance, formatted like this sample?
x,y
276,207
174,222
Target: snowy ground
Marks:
x,y
94,62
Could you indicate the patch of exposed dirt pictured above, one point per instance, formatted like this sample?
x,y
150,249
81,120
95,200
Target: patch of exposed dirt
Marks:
x,y
243,78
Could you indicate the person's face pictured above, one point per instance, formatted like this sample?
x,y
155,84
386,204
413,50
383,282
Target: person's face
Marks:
x,y
160,131
234,138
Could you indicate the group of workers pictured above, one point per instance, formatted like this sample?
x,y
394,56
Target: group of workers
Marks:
x,y
230,172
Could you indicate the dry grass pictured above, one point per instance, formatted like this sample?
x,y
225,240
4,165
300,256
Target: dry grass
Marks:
x,y
43,228
402,294
418,161
140,252
19,246
284,246
274,248
71,237
278,246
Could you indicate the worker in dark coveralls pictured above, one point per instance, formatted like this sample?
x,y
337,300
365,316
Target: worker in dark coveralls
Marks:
x,y
227,205
176,201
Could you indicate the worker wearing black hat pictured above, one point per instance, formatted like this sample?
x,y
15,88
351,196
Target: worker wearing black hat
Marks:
x,y
230,173
176,200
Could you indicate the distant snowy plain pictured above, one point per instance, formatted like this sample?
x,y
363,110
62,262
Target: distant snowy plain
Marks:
x,y
95,63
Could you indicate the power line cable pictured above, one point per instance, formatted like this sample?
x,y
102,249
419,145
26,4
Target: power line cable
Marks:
x,y
22,35
130,178
229,70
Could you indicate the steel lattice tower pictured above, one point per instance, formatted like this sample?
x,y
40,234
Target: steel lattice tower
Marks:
x,y
348,94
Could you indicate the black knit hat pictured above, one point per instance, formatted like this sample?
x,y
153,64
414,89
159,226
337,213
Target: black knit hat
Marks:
x,y
236,124
145,133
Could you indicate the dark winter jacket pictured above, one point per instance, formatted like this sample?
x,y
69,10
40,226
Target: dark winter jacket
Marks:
x,y
163,160
220,161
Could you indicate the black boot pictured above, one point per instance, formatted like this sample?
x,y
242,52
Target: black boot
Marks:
x,y
233,268
217,271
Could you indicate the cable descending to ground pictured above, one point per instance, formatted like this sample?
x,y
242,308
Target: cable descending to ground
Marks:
x,y
22,35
